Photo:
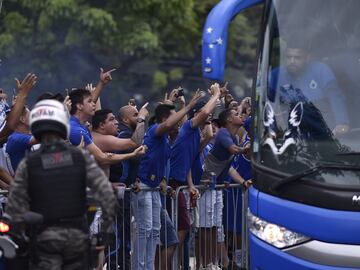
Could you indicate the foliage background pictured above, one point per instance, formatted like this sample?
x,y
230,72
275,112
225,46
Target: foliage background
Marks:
x,y
154,44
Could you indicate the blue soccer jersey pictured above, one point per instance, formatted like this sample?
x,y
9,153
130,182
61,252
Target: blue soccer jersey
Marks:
x,y
16,146
184,151
316,83
78,131
153,164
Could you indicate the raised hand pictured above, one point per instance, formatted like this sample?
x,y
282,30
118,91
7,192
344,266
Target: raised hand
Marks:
x,y
215,90
67,103
174,94
223,90
90,87
3,95
132,102
245,106
228,99
143,113
246,101
105,77
24,87
198,95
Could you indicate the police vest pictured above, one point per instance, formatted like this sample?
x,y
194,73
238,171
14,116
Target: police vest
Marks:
x,y
57,182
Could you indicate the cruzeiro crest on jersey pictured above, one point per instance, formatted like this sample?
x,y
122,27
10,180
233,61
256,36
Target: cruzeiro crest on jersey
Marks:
x,y
313,84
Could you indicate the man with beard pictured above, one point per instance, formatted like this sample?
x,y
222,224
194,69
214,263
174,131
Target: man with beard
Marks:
x,y
132,125
314,85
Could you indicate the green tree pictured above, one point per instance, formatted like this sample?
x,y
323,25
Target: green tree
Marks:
x,y
154,44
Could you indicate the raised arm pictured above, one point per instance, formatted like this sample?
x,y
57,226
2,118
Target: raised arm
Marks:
x,y
92,89
139,133
24,89
105,78
177,95
206,136
167,125
209,107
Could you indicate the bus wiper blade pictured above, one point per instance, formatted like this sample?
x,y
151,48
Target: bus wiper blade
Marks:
x,y
349,154
276,186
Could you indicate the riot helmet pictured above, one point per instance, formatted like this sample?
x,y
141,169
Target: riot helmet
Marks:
x,y
49,115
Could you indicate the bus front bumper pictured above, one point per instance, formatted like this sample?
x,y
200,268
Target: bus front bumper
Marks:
x,y
266,257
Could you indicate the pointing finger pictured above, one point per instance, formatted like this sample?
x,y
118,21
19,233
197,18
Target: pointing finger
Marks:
x,y
145,105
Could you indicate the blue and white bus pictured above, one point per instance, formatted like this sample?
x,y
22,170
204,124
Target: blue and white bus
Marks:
x,y
304,206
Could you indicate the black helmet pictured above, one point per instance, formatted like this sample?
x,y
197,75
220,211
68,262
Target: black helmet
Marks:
x,y
49,115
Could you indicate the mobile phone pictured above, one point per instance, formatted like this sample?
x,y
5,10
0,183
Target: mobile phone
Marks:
x,y
132,102
180,92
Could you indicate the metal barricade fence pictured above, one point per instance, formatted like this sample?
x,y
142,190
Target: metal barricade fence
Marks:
x,y
135,244
126,248
209,246
3,200
206,244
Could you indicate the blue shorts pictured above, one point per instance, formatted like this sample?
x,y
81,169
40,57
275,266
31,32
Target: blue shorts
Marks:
x,y
168,235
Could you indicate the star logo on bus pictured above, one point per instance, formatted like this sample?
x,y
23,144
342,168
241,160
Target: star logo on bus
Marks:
x,y
209,30
208,60
219,41
211,46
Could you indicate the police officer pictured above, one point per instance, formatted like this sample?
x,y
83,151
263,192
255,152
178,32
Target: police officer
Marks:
x,y
52,181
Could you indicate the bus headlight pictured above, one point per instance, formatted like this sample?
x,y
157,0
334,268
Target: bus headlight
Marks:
x,y
273,234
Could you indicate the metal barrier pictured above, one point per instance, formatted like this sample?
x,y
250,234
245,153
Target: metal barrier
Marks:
x,y
127,250
126,245
244,254
121,253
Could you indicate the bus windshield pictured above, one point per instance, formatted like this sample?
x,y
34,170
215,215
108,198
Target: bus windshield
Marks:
x,y
308,89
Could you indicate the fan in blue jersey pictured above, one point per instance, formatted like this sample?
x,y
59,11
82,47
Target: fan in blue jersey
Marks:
x,y
314,85
184,152
233,201
146,204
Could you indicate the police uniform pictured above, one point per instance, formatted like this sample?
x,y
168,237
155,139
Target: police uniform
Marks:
x,y
52,181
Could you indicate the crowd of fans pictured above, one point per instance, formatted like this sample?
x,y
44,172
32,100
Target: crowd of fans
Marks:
x,y
202,142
